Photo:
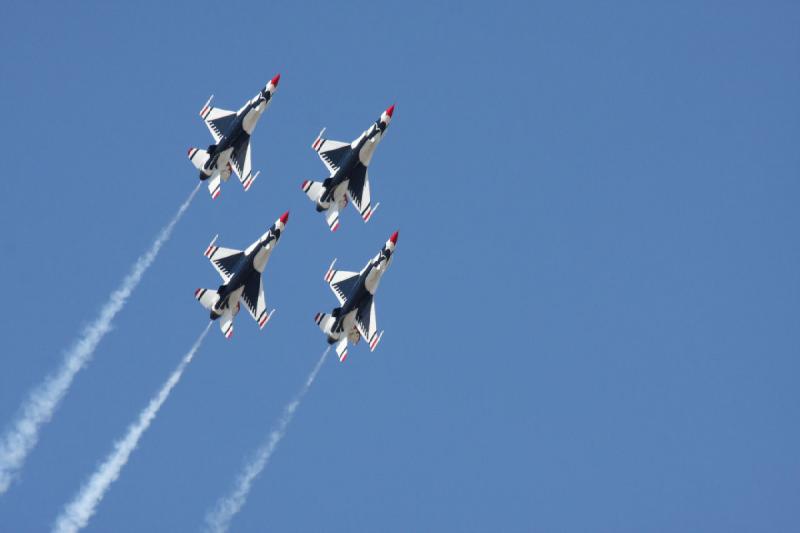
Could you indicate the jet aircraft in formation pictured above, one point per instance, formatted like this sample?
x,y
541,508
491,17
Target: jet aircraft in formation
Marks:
x,y
347,164
355,318
241,272
231,131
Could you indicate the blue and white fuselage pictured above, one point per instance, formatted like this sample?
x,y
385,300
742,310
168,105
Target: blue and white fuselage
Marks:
x,y
231,131
348,180
242,281
355,318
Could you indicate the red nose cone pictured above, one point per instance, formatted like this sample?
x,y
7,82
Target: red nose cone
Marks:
x,y
393,238
390,110
285,217
274,81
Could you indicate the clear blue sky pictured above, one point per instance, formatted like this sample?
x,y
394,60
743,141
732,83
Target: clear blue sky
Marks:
x,y
591,320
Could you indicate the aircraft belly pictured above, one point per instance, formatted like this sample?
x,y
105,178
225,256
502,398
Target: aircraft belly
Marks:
x,y
337,189
349,320
250,120
373,279
233,299
261,258
365,154
224,157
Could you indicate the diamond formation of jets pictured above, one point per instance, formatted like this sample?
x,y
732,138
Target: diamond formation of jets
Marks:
x,y
347,164
241,272
355,318
231,131
348,181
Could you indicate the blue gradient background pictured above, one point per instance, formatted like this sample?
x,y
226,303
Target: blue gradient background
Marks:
x,y
592,318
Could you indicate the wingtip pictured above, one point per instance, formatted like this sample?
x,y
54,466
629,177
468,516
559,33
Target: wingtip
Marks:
x,y
394,236
274,81
284,217
390,110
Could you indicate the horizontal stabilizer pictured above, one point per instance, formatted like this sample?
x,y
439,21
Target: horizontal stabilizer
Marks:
x,y
325,323
214,186
313,189
339,203
226,324
198,157
341,349
208,298
332,218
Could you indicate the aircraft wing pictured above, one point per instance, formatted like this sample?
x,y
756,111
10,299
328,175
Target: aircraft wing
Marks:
x,y
217,120
242,165
331,152
358,191
366,322
223,259
254,300
341,282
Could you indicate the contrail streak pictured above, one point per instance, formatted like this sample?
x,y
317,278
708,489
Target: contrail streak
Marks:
x,y
219,519
76,514
21,436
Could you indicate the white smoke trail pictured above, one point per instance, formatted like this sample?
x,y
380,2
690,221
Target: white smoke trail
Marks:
x,y
21,436
219,519
76,514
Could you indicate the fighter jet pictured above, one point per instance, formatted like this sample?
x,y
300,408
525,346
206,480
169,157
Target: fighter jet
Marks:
x,y
347,163
231,131
241,272
356,294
